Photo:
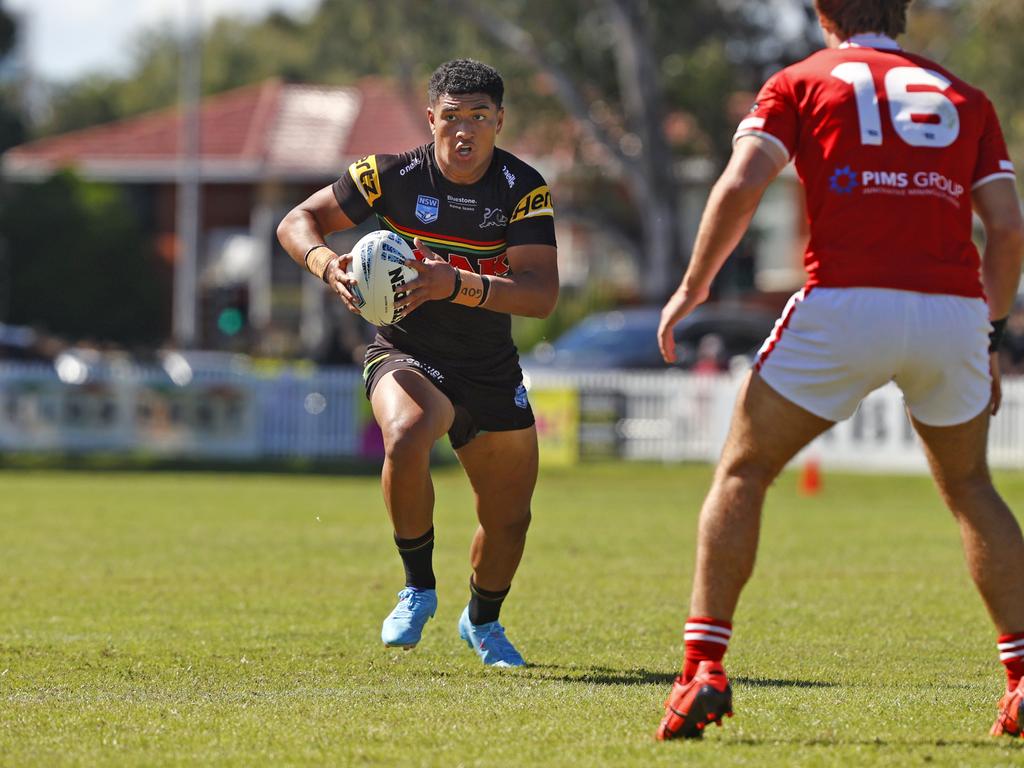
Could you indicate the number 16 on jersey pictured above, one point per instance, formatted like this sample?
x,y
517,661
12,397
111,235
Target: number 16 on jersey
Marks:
x,y
922,115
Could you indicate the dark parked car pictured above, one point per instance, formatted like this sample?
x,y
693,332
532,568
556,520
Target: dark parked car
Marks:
x,y
627,339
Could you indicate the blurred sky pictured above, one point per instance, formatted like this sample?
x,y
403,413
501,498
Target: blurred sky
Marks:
x,y
69,38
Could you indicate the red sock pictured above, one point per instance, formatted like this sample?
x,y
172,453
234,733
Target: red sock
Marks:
x,y
1011,653
706,639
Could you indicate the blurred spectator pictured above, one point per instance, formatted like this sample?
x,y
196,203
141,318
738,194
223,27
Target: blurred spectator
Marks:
x,y
710,354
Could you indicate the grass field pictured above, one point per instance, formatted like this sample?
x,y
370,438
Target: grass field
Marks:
x,y
167,619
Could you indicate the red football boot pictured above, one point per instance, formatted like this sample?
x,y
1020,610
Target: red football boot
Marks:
x,y
691,706
1011,713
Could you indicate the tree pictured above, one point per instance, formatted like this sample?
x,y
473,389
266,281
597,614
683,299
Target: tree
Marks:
x,y
11,133
980,41
597,78
12,128
91,277
610,63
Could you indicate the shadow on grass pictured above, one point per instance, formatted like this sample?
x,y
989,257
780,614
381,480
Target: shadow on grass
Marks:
x,y
978,743
609,676
771,682
597,675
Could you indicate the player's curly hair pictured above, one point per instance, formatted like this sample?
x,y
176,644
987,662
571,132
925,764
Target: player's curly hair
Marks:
x,y
852,17
461,76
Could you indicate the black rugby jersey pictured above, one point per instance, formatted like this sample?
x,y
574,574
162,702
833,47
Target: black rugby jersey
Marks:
x,y
470,225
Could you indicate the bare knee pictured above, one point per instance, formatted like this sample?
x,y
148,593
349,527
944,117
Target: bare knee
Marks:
x,y
510,526
965,490
407,440
746,472
515,527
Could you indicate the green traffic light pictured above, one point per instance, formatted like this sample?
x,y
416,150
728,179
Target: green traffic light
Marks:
x,y
230,321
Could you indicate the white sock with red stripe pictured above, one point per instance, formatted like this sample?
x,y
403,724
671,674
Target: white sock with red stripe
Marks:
x,y
1011,653
706,639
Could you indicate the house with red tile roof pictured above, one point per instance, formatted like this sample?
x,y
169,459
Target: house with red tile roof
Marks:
x,y
262,148
267,131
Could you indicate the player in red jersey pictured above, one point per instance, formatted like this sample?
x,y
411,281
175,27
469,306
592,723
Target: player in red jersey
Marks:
x,y
894,152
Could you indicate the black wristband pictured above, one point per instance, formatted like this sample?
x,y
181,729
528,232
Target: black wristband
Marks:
x,y
458,286
995,339
487,289
305,259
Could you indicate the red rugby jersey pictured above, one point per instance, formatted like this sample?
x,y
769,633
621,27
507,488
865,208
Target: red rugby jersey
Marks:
x,y
889,146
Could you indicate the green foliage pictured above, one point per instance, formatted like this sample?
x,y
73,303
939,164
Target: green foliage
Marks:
x,y
8,30
698,81
706,49
237,53
12,128
233,620
406,40
97,98
80,266
983,40
92,100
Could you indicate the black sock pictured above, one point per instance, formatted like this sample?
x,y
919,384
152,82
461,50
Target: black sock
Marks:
x,y
484,606
418,559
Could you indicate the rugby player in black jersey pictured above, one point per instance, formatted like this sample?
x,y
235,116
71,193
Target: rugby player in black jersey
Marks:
x,y
483,223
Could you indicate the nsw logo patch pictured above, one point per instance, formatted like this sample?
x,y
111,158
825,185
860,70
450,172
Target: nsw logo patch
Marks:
x,y
521,399
426,209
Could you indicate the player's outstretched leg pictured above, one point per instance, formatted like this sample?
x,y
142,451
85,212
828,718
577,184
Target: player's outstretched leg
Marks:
x,y
502,468
412,413
767,430
993,545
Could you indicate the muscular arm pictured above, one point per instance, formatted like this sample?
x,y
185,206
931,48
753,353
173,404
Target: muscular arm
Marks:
x,y
999,208
309,222
306,225
531,289
731,205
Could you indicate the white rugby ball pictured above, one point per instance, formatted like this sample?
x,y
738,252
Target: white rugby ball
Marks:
x,y
378,265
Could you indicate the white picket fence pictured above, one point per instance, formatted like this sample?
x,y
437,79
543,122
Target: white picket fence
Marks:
x,y
242,414
674,416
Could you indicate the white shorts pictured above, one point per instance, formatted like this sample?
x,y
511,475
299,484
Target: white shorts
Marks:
x,y
832,346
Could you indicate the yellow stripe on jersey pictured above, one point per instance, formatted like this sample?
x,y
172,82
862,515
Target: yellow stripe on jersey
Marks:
x,y
536,203
364,174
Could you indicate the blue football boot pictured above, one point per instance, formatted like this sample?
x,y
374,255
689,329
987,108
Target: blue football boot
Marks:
x,y
404,625
489,642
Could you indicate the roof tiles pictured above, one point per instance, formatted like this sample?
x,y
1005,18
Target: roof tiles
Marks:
x,y
266,130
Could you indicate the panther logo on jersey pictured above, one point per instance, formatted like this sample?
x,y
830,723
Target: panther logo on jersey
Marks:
x,y
493,217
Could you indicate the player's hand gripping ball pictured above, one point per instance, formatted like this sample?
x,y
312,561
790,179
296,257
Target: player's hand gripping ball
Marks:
x,y
378,265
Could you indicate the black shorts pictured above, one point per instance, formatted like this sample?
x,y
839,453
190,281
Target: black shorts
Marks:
x,y
485,401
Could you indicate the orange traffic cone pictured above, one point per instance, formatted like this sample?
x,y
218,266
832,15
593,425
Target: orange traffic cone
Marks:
x,y
810,477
